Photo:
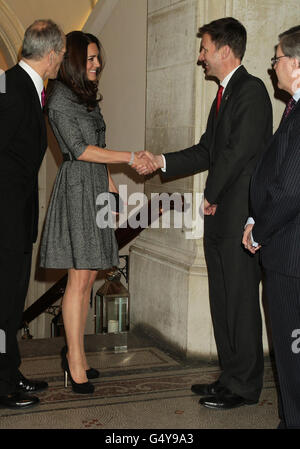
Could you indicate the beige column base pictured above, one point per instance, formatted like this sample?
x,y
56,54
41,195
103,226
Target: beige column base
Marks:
x,y
169,293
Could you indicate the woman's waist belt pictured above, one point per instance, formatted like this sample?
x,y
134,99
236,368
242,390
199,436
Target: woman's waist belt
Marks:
x,y
67,157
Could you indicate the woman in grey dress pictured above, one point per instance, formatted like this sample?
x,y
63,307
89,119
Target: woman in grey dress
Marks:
x,y
73,238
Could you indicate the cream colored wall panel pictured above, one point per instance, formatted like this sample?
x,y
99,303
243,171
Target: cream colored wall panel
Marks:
x,y
70,14
157,300
168,242
171,36
101,15
264,21
182,96
155,5
212,9
170,83
164,140
200,338
123,83
158,98
173,105
180,185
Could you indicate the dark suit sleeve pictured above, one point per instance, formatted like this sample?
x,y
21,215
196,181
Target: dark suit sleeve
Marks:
x,y
11,114
250,112
191,160
282,204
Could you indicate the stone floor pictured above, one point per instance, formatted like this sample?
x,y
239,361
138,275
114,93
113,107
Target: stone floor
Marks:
x,y
146,387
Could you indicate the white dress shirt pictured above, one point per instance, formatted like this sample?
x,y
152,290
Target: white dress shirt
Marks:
x,y
227,78
224,83
36,78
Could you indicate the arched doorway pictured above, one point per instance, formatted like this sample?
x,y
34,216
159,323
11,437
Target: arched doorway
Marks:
x,y
5,59
3,62
11,35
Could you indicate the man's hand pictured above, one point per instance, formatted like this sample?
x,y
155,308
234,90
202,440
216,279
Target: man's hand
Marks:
x,y
247,242
145,162
209,209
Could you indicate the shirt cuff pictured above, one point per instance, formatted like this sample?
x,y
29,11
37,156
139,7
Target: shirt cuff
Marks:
x,y
164,168
251,221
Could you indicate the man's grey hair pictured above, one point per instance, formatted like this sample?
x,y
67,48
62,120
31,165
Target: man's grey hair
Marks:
x,y
290,43
40,38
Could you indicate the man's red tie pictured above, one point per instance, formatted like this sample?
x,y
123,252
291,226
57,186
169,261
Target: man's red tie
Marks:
x,y
289,107
43,95
219,98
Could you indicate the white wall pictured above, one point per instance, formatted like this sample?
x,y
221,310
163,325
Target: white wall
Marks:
x,y
123,83
69,14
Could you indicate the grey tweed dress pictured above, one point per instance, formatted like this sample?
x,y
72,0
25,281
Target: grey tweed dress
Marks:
x,y
73,236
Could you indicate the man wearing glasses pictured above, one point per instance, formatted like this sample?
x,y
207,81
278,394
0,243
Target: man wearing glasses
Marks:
x,y
275,229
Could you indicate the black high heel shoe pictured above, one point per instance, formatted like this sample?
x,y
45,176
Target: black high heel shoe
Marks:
x,y
82,388
91,373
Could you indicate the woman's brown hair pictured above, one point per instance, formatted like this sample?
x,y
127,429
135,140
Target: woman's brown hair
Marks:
x,y
73,68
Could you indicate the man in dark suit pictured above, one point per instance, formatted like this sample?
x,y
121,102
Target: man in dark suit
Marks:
x,y
22,146
275,229
238,129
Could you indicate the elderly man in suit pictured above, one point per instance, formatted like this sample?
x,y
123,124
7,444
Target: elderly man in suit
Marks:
x,y
238,129
275,229
22,147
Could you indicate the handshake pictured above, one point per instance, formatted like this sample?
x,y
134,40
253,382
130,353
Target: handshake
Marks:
x,y
146,163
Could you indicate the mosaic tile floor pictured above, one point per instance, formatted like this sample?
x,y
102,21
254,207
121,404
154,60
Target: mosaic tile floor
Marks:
x,y
143,388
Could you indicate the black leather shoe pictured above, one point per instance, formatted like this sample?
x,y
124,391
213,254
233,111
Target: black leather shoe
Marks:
x,y
225,401
18,400
29,386
207,389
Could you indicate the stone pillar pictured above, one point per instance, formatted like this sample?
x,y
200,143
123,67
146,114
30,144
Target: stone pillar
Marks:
x,y
168,278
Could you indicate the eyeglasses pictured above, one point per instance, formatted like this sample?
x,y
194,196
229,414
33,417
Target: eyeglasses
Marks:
x,y
276,59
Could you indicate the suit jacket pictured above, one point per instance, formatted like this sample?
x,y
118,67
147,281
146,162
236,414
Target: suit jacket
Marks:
x,y
275,199
229,150
23,143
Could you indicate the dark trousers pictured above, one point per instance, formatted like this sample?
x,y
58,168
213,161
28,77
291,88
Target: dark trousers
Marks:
x,y
283,296
14,279
234,277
